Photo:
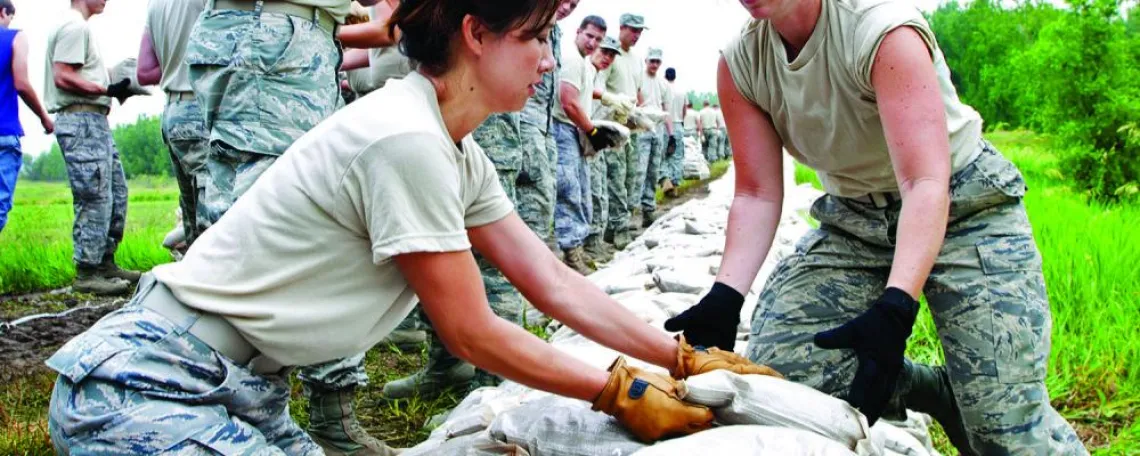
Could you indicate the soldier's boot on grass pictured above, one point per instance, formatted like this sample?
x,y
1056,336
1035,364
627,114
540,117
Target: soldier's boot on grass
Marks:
x,y
926,389
109,269
620,239
334,427
91,280
576,259
431,381
668,188
406,340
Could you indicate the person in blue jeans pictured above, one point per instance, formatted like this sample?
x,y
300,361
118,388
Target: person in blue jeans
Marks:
x,y
13,83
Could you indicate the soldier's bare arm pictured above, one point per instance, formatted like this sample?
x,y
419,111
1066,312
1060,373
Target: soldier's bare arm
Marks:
x,y
149,71
914,122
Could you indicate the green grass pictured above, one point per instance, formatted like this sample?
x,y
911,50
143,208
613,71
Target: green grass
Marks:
x,y
1089,251
36,251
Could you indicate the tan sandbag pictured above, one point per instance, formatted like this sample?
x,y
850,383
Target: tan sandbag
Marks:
x,y
128,69
749,440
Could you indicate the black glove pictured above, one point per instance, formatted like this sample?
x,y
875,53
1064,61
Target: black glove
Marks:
x,y
602,138
671,148
120,90
713,321
878,337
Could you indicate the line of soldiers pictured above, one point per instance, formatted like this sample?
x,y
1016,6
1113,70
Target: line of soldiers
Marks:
x,y
245,78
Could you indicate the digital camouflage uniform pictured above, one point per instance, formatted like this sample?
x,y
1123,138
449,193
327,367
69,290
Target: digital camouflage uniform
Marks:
x,y
262,80
650,149
574,211
599,192
500,137
622,180
536,174
188,141
712,144
137,378
986,293
98,185
674,165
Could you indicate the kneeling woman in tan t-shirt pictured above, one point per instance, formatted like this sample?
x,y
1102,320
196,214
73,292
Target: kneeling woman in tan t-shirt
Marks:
x,y
325,254
917,202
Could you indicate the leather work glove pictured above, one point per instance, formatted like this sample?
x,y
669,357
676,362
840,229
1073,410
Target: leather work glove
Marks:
x,y
357,15
878,337
713,321
695,361
650,405
120,90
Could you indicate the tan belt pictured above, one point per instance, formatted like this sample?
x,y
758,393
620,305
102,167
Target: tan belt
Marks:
x,y
82,107
179,96
309,13
211,329
879,199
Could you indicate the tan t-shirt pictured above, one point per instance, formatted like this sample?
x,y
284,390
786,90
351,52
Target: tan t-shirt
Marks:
x,y
675,103
302,263
691,119
719,118
73,43
170,23
580,73
823,104
708,118
338,9
625,75
653,91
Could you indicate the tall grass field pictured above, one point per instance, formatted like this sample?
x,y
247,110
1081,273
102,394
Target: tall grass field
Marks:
x,y
1091,263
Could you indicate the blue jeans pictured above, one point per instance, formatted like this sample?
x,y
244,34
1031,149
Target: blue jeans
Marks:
x,y
10,161
573,208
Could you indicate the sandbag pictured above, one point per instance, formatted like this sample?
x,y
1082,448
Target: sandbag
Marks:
x,y
128,69
558,426
618,132
770,401
695,165
749,440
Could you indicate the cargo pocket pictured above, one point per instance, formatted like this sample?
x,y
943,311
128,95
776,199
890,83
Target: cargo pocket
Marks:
x,y
82,355
1019,307
88,181
213,42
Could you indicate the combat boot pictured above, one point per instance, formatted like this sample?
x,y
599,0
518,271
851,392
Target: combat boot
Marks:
x,y
668,188
647,218
406,340
90,280
111,270
430,382
596,249
333,425
621,239
926,389
576,259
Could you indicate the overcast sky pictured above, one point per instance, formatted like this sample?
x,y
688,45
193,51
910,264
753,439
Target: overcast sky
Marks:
x,y
690,32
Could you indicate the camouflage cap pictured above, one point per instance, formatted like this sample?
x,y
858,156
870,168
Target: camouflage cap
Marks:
x,y
610,43
654,54
633,20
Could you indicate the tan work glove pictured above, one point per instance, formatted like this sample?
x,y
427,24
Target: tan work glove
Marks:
x,y
650,405
358,15
691,361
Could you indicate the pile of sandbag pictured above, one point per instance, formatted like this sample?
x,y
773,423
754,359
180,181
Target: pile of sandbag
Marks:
x,y
695,166
659,275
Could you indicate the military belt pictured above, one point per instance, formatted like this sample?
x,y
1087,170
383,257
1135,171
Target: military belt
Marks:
x,y
179,96
879,199
211,329
83,107
309,13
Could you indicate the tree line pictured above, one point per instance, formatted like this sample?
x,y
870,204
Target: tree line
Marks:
x,y
1071,72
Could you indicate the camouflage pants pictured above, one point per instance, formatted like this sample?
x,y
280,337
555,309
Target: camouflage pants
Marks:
x,y
712,144
573,213
98,185
650,148
986,293
725,145
622,183
138,383
599,193
536,182
262,80
11,159
674,165
186,137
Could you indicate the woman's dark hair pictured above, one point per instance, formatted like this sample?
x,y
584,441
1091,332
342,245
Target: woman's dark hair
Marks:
x,y
427,27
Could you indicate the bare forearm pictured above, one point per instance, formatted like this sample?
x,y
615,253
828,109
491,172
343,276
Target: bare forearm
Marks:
x,y
752,222
71,82
922,228
32,100
149,76
578,115
354,59
508,350
368,35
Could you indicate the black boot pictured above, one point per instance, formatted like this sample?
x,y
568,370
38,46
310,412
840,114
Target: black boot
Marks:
x,y
926,389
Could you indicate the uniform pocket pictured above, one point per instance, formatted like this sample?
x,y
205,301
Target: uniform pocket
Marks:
x,y
1019,307
215,37
89,180
82,355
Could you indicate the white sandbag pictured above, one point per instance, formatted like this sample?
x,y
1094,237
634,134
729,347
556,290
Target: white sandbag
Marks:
x,y
695,166
640,302
481,444
905,438
614,129
682,280
558,426
764,400
748,440
128,69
